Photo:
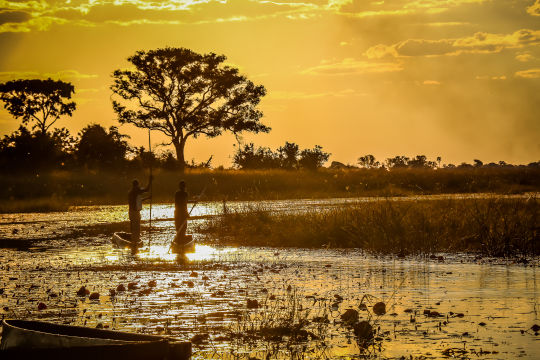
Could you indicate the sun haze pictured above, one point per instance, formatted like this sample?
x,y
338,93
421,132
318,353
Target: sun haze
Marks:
x,y
458,79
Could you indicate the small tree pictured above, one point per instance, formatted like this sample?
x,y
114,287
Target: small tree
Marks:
x,y
34,152
397,162
250,157
288,155
368,161
184,94
478,163
42,101
421,161
97,148
312,159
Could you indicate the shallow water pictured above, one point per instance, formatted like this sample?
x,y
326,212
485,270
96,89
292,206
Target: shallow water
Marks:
x,y
486,306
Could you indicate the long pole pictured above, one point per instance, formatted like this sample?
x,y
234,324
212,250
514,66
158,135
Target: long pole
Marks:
x,y
150,220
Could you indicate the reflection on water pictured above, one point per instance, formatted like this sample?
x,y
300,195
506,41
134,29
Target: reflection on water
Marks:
x,y
482,306
163,253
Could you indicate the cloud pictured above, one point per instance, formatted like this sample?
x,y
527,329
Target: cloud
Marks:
x,y
66,75
496,42
39,24
480,42
529,74
431,82
447,23
487,77
534,9
524,57
13,17
288,95
420,47
40,15
351,66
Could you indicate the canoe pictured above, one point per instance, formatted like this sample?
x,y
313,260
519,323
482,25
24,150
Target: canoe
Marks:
x,y
123,240
23,339
183,245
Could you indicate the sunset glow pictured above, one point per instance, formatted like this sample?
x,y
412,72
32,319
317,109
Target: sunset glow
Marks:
x,y
457,79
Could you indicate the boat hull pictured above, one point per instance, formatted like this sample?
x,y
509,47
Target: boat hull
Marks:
x,y
24,338
123,240
183,244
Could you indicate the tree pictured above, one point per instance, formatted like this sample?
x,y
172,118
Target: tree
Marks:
x,y
478,163
421,161
184,94
35,151
42,101
288,155
250,157
97,148
397,162
312,159
368,161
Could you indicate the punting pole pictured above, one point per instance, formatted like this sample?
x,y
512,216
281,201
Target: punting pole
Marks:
x,y
150,220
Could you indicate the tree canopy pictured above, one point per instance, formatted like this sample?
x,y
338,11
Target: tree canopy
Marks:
x,y
39,101
97,148
185,94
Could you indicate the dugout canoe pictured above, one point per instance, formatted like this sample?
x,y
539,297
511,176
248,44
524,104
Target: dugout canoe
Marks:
x,y
183,244
123,240
23,339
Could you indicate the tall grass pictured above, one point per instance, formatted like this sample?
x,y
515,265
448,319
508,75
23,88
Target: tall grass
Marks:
x,y
112,187
33,205
495,226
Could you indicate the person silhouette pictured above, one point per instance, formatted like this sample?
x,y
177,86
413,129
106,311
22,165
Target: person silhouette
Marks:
x,y
135,200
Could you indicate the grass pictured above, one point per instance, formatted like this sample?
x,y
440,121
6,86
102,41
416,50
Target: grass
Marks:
x,y
33,205
495,227
66,188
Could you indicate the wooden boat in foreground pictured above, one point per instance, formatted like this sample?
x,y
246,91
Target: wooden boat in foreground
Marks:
x,y
183,244
23,339
123,240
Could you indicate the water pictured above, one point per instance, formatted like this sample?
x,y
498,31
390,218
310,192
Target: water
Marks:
x,y
486,306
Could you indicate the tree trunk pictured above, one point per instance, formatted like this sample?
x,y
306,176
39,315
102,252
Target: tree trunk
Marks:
x,y
179,146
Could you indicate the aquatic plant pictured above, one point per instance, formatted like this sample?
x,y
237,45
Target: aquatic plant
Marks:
x,y
494,226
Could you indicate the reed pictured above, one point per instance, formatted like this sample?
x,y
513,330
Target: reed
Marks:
x,y
494,226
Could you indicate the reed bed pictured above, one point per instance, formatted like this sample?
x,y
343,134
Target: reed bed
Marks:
x,y
493,226
81,187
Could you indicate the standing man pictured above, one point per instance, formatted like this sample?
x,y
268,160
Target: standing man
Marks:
x,y
135,200
180,210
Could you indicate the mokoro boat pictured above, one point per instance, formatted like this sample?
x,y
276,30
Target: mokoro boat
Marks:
x,y
183,244
123,240
22,339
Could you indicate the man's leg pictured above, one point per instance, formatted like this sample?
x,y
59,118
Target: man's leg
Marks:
x,y
136,228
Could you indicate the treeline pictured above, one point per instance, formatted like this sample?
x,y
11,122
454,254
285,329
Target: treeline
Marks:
x,y
97,148
288,156
93,148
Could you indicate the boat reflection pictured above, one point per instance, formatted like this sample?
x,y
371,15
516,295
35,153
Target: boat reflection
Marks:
x,y
164,253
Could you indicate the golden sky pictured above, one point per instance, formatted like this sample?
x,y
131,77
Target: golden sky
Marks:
x,y
458,79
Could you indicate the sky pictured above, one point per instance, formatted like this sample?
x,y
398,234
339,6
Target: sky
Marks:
x,y
458,79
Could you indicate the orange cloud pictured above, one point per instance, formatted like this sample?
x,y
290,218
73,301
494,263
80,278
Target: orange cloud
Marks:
x,y
351,66
534,9
480,42
529,74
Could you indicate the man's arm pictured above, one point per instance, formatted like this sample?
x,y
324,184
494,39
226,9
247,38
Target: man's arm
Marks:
x,y
147,188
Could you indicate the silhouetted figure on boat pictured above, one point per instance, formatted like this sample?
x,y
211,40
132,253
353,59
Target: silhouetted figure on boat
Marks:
x,y
135,200
180,210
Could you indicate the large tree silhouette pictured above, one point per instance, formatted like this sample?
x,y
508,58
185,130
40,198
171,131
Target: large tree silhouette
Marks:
x,y
182,94
39,101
